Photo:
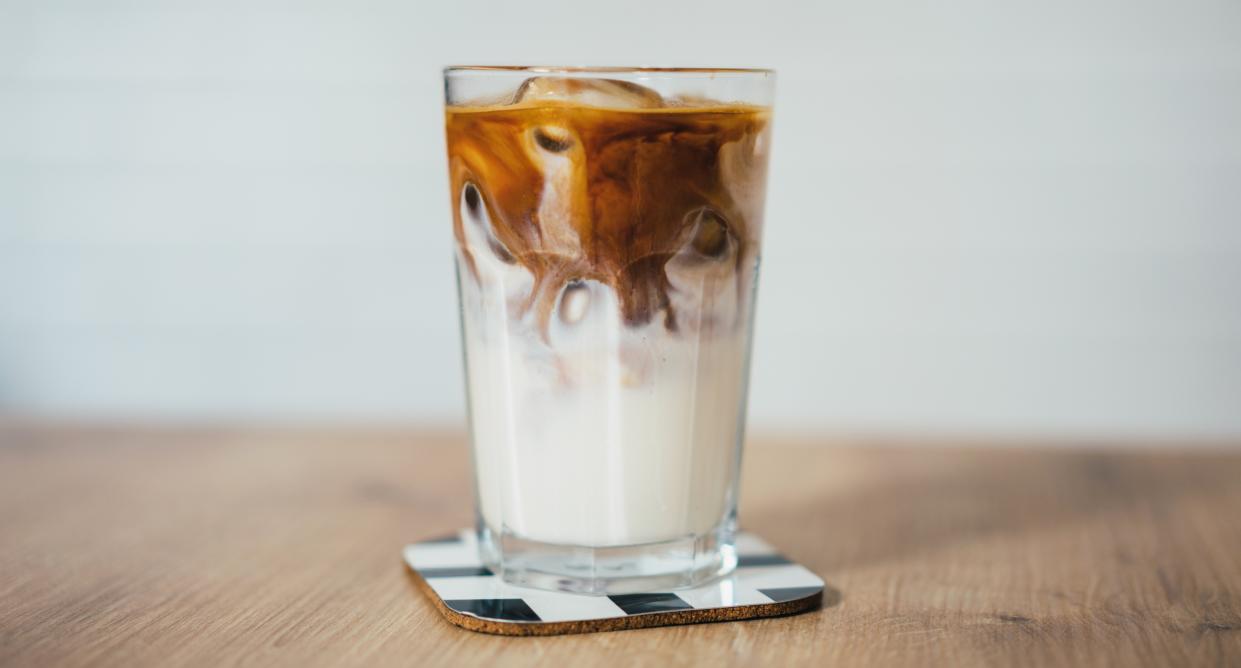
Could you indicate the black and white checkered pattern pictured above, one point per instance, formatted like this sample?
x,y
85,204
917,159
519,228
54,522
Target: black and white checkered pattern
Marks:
x,y
452,569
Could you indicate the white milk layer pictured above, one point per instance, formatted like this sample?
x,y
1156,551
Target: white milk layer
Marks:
x,y
611,459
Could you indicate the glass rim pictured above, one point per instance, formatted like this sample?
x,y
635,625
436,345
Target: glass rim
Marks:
x,y
604,69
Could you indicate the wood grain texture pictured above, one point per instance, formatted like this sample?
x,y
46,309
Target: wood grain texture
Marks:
x,y
133,547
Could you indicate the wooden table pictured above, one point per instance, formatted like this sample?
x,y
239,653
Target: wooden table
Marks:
x,y
131,547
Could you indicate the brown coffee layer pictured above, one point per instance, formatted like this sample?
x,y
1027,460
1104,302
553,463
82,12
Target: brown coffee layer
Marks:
x,y
575,192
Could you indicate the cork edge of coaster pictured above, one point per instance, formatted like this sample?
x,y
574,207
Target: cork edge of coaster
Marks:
x,y
671,618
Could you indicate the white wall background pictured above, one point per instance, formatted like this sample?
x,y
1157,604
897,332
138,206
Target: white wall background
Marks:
x,y
989,216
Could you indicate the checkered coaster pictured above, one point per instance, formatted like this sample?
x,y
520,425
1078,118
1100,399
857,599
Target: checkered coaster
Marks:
x,y
452,571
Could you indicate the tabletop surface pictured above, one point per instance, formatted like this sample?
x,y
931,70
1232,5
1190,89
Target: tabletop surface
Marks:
x,y
144,546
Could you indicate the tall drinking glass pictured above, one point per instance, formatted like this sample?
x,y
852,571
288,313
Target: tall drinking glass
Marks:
x,y
607,225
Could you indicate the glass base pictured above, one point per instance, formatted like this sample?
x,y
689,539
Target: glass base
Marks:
x,y
674,564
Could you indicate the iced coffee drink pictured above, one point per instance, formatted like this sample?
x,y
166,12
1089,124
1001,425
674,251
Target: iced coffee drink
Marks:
x,y
607,227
